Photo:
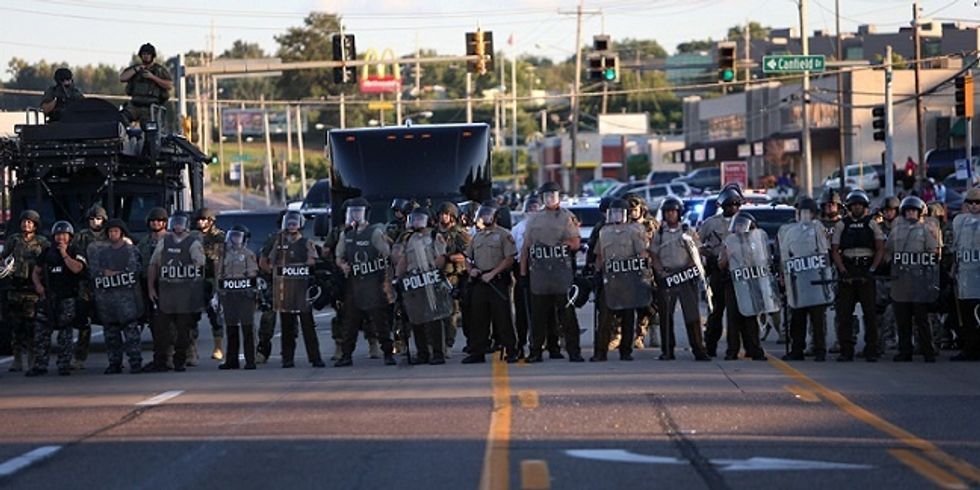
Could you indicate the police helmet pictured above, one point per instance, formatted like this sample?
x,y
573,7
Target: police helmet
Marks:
x,y
604,204
447,207
829,196
419,218
398,204
634,200
742,222
486,215
62,227
730,196
97,211
157,214
292,218
857,196
410,206
672,203
617,211
147,48
62,74
31,215
890,202
504,219
549,187
117,223
533,203
467,210
238,236
807,204
207,213
972,194
180,220
357,202
912,202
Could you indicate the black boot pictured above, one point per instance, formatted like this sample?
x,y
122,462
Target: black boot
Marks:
x,y
231,348
248,338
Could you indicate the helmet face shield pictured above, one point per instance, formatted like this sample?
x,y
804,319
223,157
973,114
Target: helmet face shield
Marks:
x,y
551,198
292,221
235,239
177,224
485,216
418,221
355,215
740,224
615,215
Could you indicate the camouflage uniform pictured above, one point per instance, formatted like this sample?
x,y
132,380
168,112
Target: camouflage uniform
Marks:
x,y
145,93
119,309
267,320
457,240
21,297
57,310
162,352
213,241
86,305
645,316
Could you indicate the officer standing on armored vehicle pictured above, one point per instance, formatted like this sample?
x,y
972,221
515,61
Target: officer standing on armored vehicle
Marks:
x,y
291,262
857,248
363,255
20,254
804,252
93,232
622,259
56,278
712,233
147,83
913,249
236,272
114,266
550,242
178,264
457,239
491,256
156,223
753,290
425,294
62,93
966,271
676,258
212,239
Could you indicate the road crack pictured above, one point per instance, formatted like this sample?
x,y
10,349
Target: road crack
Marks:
x,y
687,449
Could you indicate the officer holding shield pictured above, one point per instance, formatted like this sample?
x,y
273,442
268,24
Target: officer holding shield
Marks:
x,y
966,270
807,276
236,272
712,233
550,242
115,269
753,290
680,273
913,249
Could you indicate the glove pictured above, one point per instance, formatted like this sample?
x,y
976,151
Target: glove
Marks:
x,y
215,305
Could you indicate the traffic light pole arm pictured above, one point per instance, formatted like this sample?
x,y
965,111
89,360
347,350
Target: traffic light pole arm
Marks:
x,y
312,65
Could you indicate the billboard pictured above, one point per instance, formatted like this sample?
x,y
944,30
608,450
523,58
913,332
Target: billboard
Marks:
x,y
251,121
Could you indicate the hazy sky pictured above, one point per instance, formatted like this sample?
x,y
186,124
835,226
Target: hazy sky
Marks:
x,y
92,31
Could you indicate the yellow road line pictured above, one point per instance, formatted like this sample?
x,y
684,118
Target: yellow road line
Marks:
x,y
924,467
535,475
496,460
528,398
802,393
960,466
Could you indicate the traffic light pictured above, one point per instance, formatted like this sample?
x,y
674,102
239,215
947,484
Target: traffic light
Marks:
x,y
610,69
344,50
964,96
603,62
601,42
214,158
878,122
479,44
726,62
595,67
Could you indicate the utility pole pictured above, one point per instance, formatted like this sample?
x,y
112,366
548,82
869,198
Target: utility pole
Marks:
x,y
289,134
889,127
268,153
920,130
840,99
343,111
807,157
496,120
747,39
513,118
299,141
570,183
469,97
241,160
418,73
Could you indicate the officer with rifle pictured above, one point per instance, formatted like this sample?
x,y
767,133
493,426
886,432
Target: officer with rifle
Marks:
x,y
147,83
62,93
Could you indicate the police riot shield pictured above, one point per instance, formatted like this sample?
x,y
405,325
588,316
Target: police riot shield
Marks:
x,y
914,271
626,283
118,295
966,233
427,296
181,288
238,296
756,288
368,282
550,267
289,285
807,271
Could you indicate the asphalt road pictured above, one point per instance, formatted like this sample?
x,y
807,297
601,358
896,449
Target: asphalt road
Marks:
x,y
641,424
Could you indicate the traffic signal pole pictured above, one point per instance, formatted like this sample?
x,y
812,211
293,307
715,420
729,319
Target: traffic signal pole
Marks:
x,y
804,112
889,125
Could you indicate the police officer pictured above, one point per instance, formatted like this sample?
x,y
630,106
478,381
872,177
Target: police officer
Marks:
x,y
399,208
20,254
94,231
57,275
946,325
62,93
363,255
857,248
236,272
425,295
966,270
830,210
913,249
751,283
677,263
212,239
522,292
639,213
550,242
622,258
178,264
147,83
457,239
804,249
267,319
115,270
156,224
887,332
290,262
491,256
712,233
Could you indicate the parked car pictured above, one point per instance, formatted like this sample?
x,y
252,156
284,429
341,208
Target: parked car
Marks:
x,y
770,217
708,178
662,176
710,207
655,194
622,189
588,215
860,176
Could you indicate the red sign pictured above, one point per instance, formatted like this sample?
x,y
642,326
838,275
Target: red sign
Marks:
x,y
381,85
735,172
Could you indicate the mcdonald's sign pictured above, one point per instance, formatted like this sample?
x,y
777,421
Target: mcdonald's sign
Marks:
x,y
380,82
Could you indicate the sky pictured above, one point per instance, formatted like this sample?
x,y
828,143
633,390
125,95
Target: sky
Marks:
x,y
109,31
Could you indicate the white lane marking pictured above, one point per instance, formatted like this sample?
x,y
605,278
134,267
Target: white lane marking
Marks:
x,y
751,464
14,465
162,397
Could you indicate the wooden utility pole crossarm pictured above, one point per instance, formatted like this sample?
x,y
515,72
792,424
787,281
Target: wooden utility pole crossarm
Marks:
x,y
267,66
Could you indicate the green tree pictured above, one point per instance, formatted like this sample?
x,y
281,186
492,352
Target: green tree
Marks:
x,y
630,48
695,45
756,31
250,87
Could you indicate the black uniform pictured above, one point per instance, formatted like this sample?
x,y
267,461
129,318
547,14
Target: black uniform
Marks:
x,y
855,242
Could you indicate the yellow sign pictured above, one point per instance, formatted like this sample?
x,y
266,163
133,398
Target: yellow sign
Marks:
x,y
381,106
387,58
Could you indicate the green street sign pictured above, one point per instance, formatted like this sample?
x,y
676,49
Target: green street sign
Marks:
x,y
793,63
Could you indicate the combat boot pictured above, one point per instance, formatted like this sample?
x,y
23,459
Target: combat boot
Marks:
x,y
338,351
344,361
374,349
390,360
218,354
18,363
35,372
474,359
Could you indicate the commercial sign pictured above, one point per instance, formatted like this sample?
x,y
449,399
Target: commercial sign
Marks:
x,y
737,171
380,82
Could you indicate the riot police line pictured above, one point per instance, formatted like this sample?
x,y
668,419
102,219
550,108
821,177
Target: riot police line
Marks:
x,y
408,285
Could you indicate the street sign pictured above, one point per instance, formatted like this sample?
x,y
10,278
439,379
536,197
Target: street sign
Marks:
x,y
235,172
381,106
793,63
380,84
